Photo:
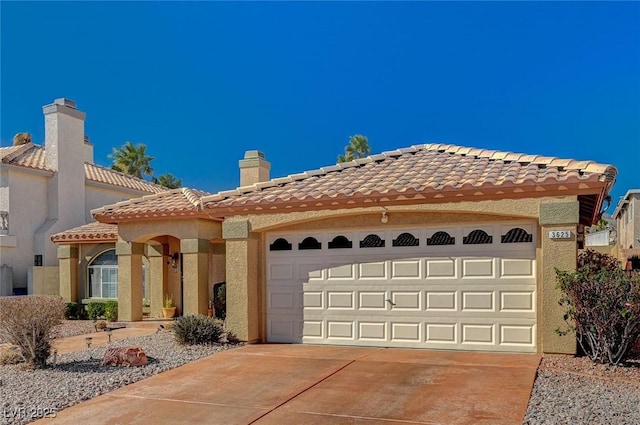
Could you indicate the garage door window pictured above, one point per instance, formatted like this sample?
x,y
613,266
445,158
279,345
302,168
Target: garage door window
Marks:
x,y
340,242
441,238
309,243
280,244
517,235
372,241
477,237
406,239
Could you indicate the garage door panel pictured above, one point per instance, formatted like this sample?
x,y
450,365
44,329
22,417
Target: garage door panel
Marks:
x,y
478,333
341,272
406,300
517,335
441,268
477,301
281,299
514,301
406,269
281,271
441,300
377,270
372,331
517,267
313,329
478,268
340,300
310,272
441,333
340,329
406,331
372,300
313,300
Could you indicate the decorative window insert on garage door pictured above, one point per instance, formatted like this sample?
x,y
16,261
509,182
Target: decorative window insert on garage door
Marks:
x,y
470,287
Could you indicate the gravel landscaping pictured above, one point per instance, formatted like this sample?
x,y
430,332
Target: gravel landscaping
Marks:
x,y
78,376
573,390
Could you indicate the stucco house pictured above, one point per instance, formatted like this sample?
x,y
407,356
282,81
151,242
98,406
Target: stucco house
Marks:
x,y
432,246
48,189
627,216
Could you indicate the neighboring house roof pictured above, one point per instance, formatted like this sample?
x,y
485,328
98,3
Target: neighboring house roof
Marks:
x,y
32,156
421,173
624,200
92,232
183,202
425,173
27,155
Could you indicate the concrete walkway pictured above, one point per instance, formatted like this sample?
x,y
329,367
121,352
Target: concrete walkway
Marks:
x,y
303,384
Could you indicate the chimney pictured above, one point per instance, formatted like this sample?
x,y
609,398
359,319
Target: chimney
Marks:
x,y
64,133
88,150
253,168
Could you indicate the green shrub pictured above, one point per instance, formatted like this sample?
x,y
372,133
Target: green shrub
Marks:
x,y
95,309
71,312
197,330
26,321
602,304
111,311
220,300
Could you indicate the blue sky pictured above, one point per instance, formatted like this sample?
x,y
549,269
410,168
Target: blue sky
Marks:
x,y
199,83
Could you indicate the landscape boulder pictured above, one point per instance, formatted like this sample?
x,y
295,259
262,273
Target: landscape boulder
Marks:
x,y
124,356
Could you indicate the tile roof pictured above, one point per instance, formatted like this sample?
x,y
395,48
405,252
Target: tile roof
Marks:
x,y
27,155
92,232
100,174
183,202
32,156
418,173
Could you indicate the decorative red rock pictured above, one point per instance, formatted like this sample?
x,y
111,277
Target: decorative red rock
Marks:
x,y
124,356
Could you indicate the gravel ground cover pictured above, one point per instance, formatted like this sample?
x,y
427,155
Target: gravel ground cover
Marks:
x,y
574,390
78,376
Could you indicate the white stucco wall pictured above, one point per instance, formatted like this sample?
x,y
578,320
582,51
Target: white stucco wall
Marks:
x,y
98,195
25,197
629,223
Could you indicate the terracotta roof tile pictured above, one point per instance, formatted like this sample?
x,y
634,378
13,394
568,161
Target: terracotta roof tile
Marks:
x,y
170,203
92,232
27,155
414,171
100,174
33,156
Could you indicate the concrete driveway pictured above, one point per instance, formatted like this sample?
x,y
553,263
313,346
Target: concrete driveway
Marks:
x,y
304,384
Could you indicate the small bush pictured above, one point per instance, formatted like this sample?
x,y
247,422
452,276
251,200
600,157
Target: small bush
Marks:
x,y
602,304
26,322
111,311
220,300
198,330
101,325
71,312
95,309
10,356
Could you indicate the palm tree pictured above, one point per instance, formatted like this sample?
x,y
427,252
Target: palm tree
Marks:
x,y
358,147
132,160
168,180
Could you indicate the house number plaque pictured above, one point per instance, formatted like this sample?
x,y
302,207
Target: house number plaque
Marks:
x,y
560,234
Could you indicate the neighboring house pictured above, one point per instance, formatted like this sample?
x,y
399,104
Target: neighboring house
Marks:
x,y
433,246
627,216
50,188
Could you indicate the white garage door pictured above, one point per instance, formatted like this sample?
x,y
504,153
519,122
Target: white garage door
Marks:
x,y
467,288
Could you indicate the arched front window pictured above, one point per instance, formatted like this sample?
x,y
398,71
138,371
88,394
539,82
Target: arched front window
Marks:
x,y
103,275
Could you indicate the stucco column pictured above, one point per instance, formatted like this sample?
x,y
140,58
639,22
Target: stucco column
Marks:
x,y
243,260
195,275
157,278
68,261
129,280
560,254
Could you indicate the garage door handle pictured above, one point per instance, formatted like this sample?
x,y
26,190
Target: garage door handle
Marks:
x,y
390,302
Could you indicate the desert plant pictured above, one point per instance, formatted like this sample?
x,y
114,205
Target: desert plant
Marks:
x,y
602,304
101,325
197,330
26,322
168,300
111,310
95,309
10,356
